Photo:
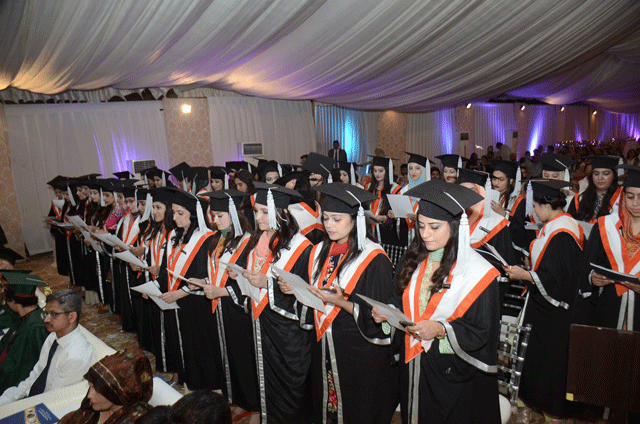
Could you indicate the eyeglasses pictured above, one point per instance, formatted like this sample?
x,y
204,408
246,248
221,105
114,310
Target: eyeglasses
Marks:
x,y
53,315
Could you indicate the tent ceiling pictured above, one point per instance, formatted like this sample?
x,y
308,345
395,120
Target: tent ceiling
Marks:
x,y
366,54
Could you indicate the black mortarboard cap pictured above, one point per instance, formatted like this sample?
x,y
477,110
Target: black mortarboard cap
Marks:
x,y
162,194
219,199
183,198
554,162
180,171
509,168
548,188
451,161
281,195
236,165
632,178
59,182
343,198
436,204
608,162
218,172
472,176
199,173
319,164
123,175
419,159
296,175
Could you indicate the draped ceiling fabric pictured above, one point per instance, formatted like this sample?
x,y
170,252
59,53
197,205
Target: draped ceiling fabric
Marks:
x,y
403,55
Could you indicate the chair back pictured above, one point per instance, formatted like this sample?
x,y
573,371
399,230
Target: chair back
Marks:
x,y
394,252
512,348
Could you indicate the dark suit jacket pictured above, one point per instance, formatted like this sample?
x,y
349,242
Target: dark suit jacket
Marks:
x,y
342,155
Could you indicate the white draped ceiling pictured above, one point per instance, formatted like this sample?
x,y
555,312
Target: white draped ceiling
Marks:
x,y
405,55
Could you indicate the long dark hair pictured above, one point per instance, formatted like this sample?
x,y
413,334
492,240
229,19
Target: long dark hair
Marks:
x,y
588,200
326,246
288,227
386,188
418,252
167,222
184,236
230,243
102,214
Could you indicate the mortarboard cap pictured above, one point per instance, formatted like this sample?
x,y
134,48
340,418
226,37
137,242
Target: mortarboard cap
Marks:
x,y
123,175
633,175
508,168
281,195
436,199
554,162
548,188
343,198
607,162
295,175
59,182
219,199
24,284
180,171
319,164
419,159
472,176
452,161
218,172
236,165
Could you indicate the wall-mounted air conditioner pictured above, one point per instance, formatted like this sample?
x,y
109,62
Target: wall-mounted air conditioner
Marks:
x,y
139,165
250,150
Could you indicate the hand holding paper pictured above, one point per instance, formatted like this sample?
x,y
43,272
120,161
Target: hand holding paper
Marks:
x,y
300,289
246,287
393,314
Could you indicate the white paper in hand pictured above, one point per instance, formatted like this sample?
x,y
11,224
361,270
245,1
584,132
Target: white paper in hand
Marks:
x,y
246,287
130,258
301,290
154,293
393,314
400,204
78,222
186,280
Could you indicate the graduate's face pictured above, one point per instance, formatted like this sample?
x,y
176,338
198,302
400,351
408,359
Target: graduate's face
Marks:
x,y
85,191
553,175
58,193
217,184
130,204
499,181
157,181
80,193
98,402
632,201
344,177
602,178
271,177
338,226
379,173
450,174
262,217
142,205
291,184
222,220
241,185
120,198
108,197
95,196
434,233
415,171
65,195
159,210
181,216
315,180
542,211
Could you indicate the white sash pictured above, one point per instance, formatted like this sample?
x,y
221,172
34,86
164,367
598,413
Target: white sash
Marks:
x,y
182,263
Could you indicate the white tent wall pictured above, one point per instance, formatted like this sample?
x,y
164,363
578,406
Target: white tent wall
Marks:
x,y
286,128
72,140
356,130
432,134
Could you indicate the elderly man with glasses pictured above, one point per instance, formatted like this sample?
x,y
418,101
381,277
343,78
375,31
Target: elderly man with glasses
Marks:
x,y
66,354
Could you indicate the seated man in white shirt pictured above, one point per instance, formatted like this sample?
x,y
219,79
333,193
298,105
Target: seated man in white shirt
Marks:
x,y
66,354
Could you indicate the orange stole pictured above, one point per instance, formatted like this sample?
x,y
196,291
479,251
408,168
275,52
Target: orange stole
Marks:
x,y
225,275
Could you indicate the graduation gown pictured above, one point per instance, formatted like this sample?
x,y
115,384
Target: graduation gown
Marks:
x,y
458,387
127,231
353,347
235,334
202,365
7,317
60,237
385,234
557,263
613,304
309,219
20,349
283,348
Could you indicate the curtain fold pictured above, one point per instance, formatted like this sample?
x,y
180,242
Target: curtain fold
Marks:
x,y
285,128
491,121
73,140
432,134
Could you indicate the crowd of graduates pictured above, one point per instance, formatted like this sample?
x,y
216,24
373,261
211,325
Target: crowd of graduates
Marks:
x,y
242,330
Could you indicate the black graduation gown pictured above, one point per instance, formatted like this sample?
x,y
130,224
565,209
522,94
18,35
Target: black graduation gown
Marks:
x,y
122,278
544,374
450,389
519,236
239,347
284,354
604,305
368,381
198,329
60,243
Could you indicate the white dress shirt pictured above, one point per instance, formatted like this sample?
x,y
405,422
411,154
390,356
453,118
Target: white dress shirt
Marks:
x,y
69,364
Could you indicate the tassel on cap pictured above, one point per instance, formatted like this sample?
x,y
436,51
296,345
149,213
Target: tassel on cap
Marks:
x,y
164,180
102,202
464,245
201,221
226,181
184,182
279,171
566,177
147,208
146,180
249,167
529,204
517,186
361,229
329,178
135,197
233,212
487,198
271,208
71,199
620,170
428,171
352,175
459,162
390,172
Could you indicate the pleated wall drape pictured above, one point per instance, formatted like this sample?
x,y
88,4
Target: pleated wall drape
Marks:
x,y
491,121
285,128
356,130
432,134
73,140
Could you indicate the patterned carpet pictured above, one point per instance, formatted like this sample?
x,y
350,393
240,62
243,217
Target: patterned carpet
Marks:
x,y
107,327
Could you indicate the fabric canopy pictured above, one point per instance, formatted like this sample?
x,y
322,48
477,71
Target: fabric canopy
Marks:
x,y
365,54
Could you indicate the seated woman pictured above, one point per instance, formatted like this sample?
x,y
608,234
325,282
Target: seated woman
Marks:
x,y
120,385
